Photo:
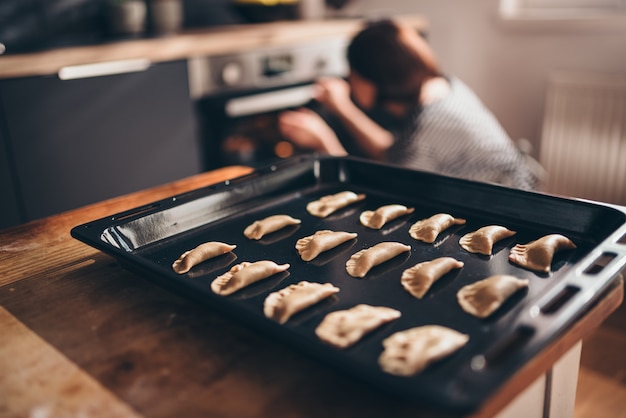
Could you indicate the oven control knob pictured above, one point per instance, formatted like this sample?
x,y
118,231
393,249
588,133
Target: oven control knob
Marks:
x,y
321,64
231,73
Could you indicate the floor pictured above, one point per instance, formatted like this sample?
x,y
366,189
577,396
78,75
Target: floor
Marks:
x,y
601,390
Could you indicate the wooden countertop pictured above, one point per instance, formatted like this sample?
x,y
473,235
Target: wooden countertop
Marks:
x,y
213,41
82,336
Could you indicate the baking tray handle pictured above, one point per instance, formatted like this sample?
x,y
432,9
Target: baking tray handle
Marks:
x,y
593,276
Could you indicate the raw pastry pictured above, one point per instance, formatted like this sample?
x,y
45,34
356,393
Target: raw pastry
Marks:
x,y
537,255
484,297
258,229
281,305
409,352
378,218
201,253
419,278
313,245
244,274
326,205
428,229
482,240
344,328
361,262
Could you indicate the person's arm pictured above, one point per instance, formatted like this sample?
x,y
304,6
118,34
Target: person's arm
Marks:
x,y
334,93
373,139
307,129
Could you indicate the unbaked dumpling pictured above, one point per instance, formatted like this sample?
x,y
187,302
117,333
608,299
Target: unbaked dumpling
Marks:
x,y
418,279
326,205
361,262
482,240
313,245
409,352
537,255
201,253
344,328
427,230
258,229
378,218
484,297
283,304
244,274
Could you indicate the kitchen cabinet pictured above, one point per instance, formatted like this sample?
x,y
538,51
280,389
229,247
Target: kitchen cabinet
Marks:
x,y
9,209
78,141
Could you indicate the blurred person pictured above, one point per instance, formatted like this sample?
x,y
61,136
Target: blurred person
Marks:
x,y
397,106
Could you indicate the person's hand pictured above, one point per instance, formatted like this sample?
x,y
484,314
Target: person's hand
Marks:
x,y
307,129
334,93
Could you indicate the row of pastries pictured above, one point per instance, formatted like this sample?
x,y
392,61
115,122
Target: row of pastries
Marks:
x,y
406,352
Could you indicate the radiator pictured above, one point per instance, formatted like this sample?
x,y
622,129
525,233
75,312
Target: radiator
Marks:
x,y
583,143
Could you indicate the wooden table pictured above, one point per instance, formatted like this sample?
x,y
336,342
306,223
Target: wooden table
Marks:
x,y
82,336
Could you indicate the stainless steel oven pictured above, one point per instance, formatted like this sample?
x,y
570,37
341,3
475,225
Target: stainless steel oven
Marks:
x,y
239,96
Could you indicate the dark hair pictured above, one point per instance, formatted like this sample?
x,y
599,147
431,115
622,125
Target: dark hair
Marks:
x,y
398,71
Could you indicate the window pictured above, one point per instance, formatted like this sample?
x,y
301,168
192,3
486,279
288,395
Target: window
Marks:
x,y
581,13
570,4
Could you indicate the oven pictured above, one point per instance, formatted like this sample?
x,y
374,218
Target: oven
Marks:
x,y
239,96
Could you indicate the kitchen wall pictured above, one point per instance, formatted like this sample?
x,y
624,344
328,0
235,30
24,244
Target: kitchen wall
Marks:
x,y
508,65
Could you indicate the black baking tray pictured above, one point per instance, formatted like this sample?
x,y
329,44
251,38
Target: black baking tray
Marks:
x,y
149,238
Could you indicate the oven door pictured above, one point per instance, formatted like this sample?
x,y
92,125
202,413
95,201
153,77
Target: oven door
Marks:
x,y
242,127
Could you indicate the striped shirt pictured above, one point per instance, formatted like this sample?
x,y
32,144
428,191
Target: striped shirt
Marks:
x,y
458,136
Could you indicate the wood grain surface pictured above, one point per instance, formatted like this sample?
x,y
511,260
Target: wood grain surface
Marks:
x,y
38,381
45,245
162,355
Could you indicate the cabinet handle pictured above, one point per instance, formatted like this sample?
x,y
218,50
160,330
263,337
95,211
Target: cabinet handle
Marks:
x,y
103,69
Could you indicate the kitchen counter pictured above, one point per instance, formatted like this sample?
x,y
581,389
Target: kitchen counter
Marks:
x,y
197,43
82,336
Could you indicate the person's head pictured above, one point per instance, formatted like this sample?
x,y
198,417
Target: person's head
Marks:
x,y
388,63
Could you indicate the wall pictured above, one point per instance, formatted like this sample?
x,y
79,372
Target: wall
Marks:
x,y
508,66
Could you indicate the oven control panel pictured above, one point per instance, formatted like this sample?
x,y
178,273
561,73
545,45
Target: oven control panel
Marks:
x,y
276,65
267,68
